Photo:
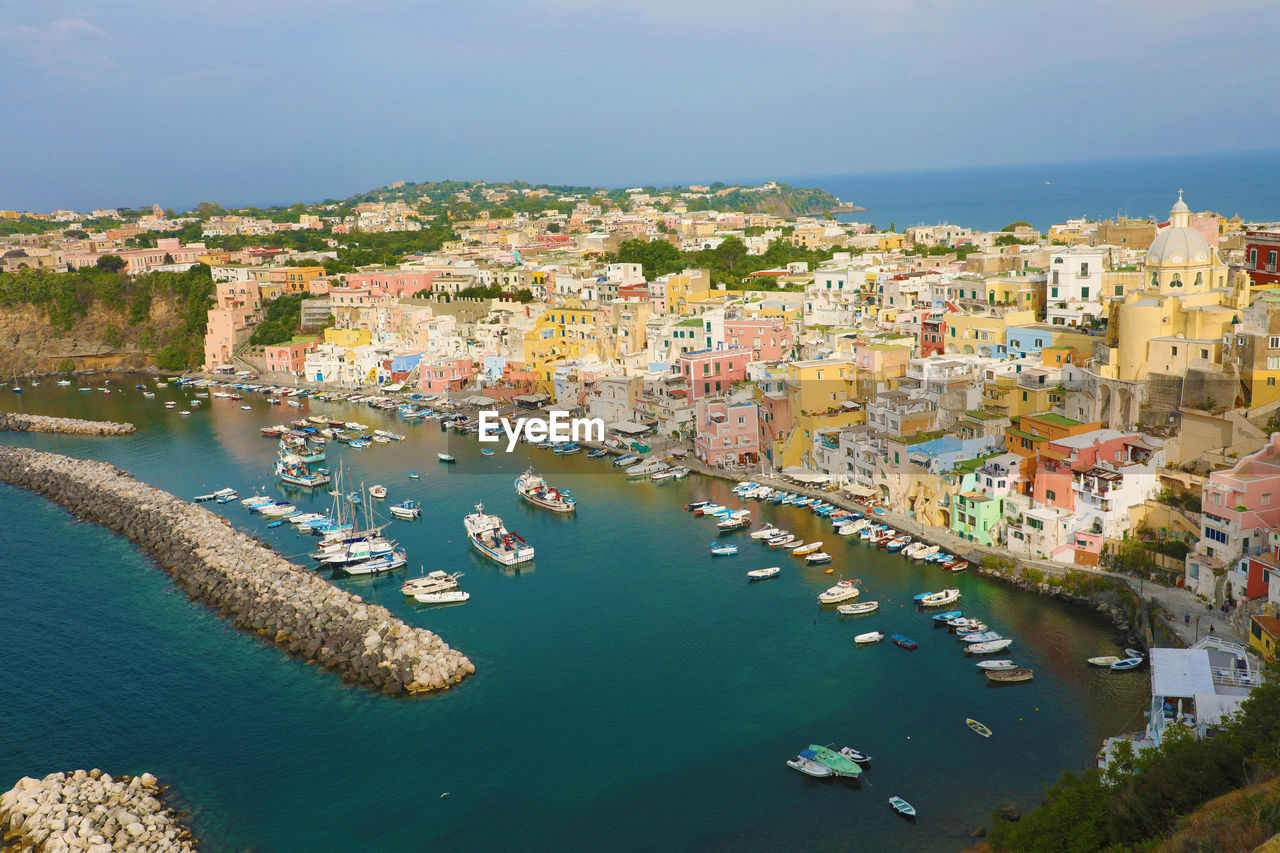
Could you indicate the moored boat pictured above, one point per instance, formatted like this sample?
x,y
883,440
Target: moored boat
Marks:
x,y
904,641
1126,664
1009,676
807,763
406,510
445,457
996,664
843,591
902,807
764,574
492,539
718,550
978,727
535,490
939,599
858,609
451,596
839,764
1105,660
805,550
436,581
818,558
988,648
869,638
376,491
855,755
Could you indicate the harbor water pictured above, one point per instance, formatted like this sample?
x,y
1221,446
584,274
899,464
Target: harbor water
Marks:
x,y
631,691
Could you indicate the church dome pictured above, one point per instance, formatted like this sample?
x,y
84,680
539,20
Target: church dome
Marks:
x,y
1179,244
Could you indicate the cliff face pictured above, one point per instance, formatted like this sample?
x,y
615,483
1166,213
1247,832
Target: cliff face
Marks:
x,y
102,339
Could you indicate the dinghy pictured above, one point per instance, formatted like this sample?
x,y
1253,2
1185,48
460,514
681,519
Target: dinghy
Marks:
x,y
978,727
996,664
1009,676
858,609
1126,664
764,574
869,638
902,807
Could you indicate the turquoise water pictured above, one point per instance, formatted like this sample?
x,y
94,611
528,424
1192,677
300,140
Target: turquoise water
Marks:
x,y
631,691
1246,183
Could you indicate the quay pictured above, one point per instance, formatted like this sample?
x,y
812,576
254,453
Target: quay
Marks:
x,y
20,422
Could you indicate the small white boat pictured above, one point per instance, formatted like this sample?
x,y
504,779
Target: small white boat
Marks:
x,y
997,664
939,599
450,596
445,457
843,591
723,550
807,764
279,509
818,558
804,550
406,511
859,608
869,638
436,581
762,574
766,533
902,807
1105,660
988,648
925,552
377,491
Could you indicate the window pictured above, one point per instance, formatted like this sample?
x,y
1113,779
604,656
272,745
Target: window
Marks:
x,y
1271,381
1266,499
1273,363
1253,258
1173,350
1271,261
1119,290
1204,353
1050,495
1273,342
1053,291
1084,270
1055,280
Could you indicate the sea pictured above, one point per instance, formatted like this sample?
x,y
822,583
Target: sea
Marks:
x,y
632,692
990,198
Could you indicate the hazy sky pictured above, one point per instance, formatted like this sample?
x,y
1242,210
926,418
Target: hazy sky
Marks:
x,y
261,101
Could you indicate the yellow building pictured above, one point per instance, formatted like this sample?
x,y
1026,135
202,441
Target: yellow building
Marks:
x,y
296,279
891,242
982,334
1264,635
1005,397
347,338
820,396
560,333
686,289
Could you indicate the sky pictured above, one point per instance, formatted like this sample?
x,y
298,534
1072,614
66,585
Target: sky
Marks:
x,y
130,102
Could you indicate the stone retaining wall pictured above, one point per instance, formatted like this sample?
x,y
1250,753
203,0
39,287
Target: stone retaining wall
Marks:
x,y
247,582
19,422
92,812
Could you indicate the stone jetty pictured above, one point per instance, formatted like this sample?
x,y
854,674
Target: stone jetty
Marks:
x,y
88,810
19,422
248,583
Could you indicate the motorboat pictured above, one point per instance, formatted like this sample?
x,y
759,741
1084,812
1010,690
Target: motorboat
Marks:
x,y
764,574
1134,653
292,470
818,558
804,550
858,609
869,638
436,581
535,490
723,550
377,491
988,648
980,637
904,641
413,475
845,590
492,539
445,457
406,510
623,461
1105,660
996,664
855,755
1009,676
644,469
924,553
765,533
787,541
377,565
939,599
450,596
902,807
277,510
839,764
679,472
735,521
807,763
978,727
948,616
1126,664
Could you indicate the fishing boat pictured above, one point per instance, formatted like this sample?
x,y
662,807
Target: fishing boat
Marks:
x,y
567,449
839,764
436,581
869,638
978,727
902,807
451,596
406,510
956,566
277,510
807,763
491,538
858,609
723,550
1009,676
1126,664
256,500
988,648
535,490
679,472
939,599
996,664
597,453
845,590
804,550
376,491
764,574
818,558
646,468
292,470
1105,660
855,755
904,641
445,457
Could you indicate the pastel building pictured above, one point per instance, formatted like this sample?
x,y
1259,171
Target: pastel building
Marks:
x,y
443,377
768,339
230,322
710,372
288,358
727,433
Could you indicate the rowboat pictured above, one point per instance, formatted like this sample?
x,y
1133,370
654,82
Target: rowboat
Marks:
x,y
956,566
807,763
980,637
1009,676
905,642
902,807
806,549
938,599
1126,664
988,648
869,638
445,457
996,664
859,608
1105,660
842,591
978,727
764,574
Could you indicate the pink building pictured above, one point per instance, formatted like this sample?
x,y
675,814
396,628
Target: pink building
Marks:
x,y
394,283
231,322
1060,459
712,371
768,339
288,358
443,377
726,433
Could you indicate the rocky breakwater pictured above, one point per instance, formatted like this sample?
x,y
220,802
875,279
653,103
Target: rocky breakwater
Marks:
x,y
19,422
247,582
90,811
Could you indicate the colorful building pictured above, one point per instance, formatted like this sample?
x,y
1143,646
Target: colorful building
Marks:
x,y
727,433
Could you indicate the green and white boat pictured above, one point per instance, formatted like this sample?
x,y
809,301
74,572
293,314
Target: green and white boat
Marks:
x,y
839,764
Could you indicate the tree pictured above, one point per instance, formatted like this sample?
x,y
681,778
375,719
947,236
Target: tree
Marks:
x,y
207,209
730,251
1133,557
110,263
1014,226
524,295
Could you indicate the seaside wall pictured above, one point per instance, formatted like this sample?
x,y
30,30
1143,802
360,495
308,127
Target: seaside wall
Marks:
x,y
90,811
247,582
19,422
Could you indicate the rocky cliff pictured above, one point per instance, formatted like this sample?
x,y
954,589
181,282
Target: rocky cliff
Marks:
x,y
101,339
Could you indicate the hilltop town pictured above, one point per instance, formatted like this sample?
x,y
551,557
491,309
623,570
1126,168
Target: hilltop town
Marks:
x,y
1103,394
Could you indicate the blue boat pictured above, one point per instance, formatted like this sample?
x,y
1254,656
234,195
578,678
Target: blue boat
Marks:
x,y
719,550
413,475
1126,664
948,616
905,642
596,454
